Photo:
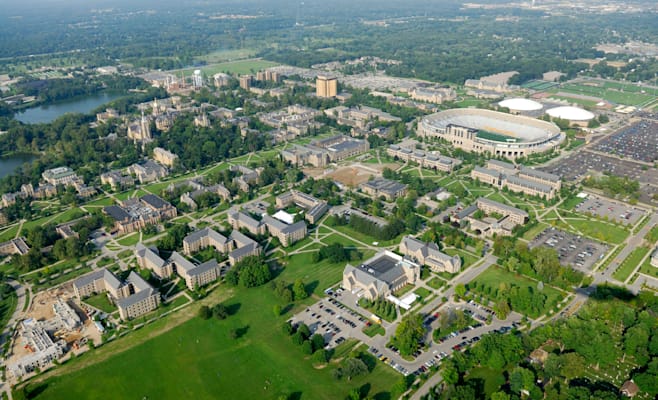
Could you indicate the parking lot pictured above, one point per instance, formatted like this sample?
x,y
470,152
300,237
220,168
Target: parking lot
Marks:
x,y
637,141
611,210
332,320
576,251
578,165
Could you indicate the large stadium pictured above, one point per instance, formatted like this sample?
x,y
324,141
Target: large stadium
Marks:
x,y
486,131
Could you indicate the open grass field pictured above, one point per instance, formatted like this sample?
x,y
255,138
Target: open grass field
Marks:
x,y
612,92
200,360
436,283
130,239
630,263
316,276
240,67
494,276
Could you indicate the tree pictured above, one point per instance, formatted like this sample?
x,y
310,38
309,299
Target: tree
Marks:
x,y
205,312
521,379
408,334
321,356
220,311
353,367
318,342
299,290
572,365
304,331
307,347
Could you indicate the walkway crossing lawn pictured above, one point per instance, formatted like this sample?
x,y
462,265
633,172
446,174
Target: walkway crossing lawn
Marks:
x,y
9,233
367,239
652,235
336,238
66,216
630,263
599,230
317,276
129,240
200,360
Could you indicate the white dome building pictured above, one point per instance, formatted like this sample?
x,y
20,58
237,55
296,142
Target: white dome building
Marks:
x,y
520,105
574,115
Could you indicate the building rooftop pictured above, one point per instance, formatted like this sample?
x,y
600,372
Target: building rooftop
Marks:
x,y
385,185
529,184
539,174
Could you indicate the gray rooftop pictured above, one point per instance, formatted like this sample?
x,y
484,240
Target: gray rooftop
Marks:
x,y
501,164
181,262
502,206
529,184
385,185
540,174
200,234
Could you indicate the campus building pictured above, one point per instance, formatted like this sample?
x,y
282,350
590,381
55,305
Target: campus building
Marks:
x,y
286,233
326,86
380,275
149,258
382,187
429,254
492,132
116,180
134,214
133,297
315,208
424,159
60,176
195,275
524,180
43,350
164,157
148,171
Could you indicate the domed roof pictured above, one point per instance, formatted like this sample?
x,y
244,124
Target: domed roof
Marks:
x,y
570,113
519,104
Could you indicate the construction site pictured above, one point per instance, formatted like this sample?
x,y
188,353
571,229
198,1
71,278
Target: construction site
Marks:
x,y
56,324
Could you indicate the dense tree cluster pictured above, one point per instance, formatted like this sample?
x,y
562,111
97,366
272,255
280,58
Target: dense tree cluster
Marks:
x,y
541,263
370,228
614,186
611,328
409,333
249,272
380,307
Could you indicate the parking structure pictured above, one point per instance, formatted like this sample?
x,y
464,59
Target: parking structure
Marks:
x,y
611,210
637,141
576,251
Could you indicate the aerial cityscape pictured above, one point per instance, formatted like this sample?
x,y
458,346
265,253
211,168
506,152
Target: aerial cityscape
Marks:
x,y
371,199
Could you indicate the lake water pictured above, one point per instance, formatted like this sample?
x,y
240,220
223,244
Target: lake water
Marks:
x,y
10,163
49,113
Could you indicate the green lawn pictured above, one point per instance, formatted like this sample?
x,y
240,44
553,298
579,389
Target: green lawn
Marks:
x,y
423,293
532,233
9,233
493,277
374,329
367,239
492,379
101,302
130,239
630,263
64,216
652,235
468,259
199,360
7,307
436,283
600,230
242,67
317,276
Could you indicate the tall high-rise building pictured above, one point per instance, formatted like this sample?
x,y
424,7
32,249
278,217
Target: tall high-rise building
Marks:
x,y
246,81
326,86
197,79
